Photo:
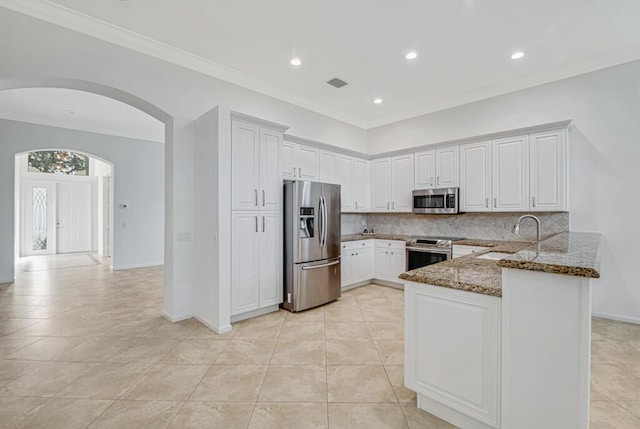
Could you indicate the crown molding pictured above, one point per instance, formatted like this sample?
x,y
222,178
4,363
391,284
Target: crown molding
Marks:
x,y
262,122
62,16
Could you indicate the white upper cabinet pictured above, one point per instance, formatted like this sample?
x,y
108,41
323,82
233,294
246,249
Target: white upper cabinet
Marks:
x,y
255,173
381,184
299,162
475,177
392,180
328,169
346,180
425,169
308,162
270,180
437,168
289,160
447,167
402,183
548,165
245,166
510,174
361,185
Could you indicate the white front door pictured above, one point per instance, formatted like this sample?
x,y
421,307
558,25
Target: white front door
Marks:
x,y
39,218
74,217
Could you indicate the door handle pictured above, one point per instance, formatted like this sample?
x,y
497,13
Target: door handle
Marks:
x,y
321,266
299,172
263,198
256,195
294,172
431,181
387,205
486,202
356,205
256,223
394,205
438,180
263,228
533,201
495,202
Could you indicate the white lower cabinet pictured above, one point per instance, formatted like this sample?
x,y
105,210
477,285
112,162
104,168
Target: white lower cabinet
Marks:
x,y
357,261
362,260
390,260
452,354
256,261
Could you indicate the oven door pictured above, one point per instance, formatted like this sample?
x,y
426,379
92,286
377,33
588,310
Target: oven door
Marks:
x,y
418,257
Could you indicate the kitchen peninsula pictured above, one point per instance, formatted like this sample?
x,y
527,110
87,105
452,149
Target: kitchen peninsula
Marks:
x,y
501,338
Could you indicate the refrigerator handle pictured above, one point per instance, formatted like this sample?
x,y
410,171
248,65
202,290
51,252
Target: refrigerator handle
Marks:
x,y
325,218
320,222
313,267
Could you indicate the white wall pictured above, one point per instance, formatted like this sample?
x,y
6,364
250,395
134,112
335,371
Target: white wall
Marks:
x,y
605,151
138,182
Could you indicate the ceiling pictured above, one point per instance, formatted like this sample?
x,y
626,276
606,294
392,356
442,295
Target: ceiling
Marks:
x,y
79,110
463,46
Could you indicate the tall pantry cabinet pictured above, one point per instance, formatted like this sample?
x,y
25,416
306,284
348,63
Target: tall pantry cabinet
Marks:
x,y
256,231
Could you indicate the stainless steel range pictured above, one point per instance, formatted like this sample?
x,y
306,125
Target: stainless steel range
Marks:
x,y
423,251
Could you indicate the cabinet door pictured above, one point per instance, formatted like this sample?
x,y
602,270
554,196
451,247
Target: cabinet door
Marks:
x,y
363,267
245,166
425,169
346,267
270,175
452,349
402,183
382,263
447,167
270,232
346,180
547,153
475,177
361,184
381,189
288,160
397,264
245,262
308,162
510,168
329,167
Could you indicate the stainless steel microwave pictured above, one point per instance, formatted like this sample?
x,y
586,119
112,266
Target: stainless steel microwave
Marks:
x,y
435,201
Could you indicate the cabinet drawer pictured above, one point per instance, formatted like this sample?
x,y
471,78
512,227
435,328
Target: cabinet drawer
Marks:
x,y
390,244
360,244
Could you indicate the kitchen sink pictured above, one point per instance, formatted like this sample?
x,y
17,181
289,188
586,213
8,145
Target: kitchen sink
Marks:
x,y
495,256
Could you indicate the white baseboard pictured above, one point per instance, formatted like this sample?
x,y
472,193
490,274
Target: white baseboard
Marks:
x,y
355,285
618,318
176,318
374,281
130,267
13,280
211,326
255,313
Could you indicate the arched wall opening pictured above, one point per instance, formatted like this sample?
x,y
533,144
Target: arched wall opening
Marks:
x,y
11,144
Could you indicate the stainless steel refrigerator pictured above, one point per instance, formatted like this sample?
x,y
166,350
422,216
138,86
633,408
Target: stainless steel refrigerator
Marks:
x,y
311,244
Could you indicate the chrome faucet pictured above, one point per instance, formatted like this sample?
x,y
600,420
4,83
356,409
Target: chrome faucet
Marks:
x,y
516,227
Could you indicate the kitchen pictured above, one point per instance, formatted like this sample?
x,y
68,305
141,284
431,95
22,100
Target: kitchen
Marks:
x,y
485,147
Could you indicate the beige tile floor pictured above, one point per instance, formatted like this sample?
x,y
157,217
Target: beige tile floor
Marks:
x,y
87,347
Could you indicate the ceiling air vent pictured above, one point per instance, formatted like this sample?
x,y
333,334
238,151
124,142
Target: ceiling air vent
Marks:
x,y
337,83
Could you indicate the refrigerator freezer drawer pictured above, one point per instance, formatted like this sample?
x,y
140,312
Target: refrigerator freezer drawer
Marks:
x,y
314,284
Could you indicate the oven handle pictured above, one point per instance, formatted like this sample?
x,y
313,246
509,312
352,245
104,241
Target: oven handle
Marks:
x,y
422,249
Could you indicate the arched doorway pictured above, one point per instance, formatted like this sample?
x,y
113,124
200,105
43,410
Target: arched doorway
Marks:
x,y
7,226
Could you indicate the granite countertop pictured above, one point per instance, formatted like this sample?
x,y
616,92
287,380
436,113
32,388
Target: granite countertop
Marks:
x,y
569,253
357,237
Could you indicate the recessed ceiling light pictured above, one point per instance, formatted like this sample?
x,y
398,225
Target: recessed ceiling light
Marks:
x,y
295,61
411,55
378,101
517,55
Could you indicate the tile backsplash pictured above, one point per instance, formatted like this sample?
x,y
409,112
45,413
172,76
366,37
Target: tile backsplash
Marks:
x,y
490,226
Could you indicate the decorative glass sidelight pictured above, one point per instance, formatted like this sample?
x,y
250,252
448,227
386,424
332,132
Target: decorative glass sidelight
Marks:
x,y
39,218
